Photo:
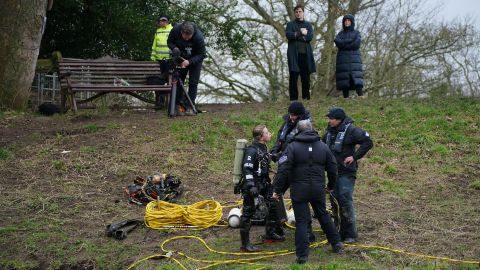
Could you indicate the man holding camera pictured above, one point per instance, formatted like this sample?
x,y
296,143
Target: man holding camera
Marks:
x,y
188,51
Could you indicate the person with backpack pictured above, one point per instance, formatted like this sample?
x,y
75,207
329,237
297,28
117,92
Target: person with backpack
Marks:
x,y
256,185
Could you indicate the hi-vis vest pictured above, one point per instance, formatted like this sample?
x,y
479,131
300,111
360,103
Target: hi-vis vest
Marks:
x,y
160,49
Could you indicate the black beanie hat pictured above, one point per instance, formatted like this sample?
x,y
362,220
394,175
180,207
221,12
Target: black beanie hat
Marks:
x,y
296,108
336,113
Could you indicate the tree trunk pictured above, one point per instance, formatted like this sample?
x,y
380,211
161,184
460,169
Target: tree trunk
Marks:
x,y
326,68
21,25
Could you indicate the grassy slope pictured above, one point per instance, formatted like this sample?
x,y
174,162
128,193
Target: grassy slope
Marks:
x,y
418,189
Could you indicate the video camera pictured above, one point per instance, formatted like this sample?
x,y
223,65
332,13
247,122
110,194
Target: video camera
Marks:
x,y
178,56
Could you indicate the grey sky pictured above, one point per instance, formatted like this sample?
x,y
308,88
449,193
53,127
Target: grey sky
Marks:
x,y
458,9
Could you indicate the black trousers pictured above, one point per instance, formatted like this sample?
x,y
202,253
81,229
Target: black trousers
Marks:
x,y
302,220
272,223
304,76
193,72
358,89
164,68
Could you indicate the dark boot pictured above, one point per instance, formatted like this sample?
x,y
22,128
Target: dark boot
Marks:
x,y
279,230
301,260
245,239
350,240
273,237
338,248
271,234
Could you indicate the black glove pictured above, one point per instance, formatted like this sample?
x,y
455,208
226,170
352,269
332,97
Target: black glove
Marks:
x,y
176,52
275,156
253,191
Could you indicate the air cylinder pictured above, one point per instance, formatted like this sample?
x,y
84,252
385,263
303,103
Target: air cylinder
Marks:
x,y
234,217
290,217
237,165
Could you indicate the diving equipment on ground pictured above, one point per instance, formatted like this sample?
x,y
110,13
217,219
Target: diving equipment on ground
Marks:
x,y
165,187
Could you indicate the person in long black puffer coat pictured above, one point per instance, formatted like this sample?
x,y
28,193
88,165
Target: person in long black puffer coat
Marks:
x,y
349,70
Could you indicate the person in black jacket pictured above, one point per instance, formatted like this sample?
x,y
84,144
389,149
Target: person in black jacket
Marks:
x,y
296,112
302,166
349,70
299,53
257,186
186,41
342,138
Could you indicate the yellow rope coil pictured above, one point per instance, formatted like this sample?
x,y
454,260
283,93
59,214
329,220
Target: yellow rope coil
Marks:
x,y
162,215
204,213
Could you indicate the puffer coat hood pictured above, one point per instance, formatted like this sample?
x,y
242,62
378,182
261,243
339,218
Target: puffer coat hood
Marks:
x,y
352,19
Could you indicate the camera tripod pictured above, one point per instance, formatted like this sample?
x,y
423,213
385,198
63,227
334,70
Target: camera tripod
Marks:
x,y
177,83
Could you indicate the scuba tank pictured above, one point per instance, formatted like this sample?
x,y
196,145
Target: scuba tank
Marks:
x,y
237,165
290,217
234,217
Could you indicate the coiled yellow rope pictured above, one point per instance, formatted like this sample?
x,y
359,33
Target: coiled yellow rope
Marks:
x,y
165,215
205,214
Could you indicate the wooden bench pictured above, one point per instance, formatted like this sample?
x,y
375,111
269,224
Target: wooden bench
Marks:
x,y
102,77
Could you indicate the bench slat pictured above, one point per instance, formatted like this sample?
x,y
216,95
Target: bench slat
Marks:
x,y
87,74
111,67
101,63
111,88
79,75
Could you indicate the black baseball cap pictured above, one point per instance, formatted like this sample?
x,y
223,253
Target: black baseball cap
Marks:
x,y
336,113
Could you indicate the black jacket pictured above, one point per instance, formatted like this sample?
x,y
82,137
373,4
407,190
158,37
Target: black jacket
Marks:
x,y
193,50
303,166
286,132
353,136
349,60
256,166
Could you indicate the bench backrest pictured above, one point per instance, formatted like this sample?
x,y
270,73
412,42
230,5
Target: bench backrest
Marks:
x,y
93,72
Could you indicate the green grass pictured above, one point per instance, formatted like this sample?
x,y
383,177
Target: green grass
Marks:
x,y
88,149
421,179
5,153
91,128
475,185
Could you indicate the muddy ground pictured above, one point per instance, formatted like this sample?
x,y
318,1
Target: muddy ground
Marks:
x,y
63,179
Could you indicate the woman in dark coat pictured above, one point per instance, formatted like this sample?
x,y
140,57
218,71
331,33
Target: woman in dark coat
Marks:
x,y
349,68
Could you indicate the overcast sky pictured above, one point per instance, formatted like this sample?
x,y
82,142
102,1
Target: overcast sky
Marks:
x,y
452,9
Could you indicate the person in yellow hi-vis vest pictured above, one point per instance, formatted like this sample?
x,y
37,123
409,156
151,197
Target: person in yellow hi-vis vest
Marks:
x,y
161,52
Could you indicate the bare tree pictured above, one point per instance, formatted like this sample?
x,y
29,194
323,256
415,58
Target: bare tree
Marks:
x,y
22,25
402,47
266,21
